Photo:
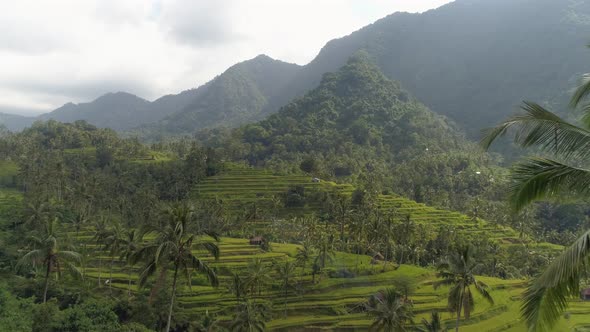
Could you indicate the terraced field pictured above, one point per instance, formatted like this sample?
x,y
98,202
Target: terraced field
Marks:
x,y
331,303
240,186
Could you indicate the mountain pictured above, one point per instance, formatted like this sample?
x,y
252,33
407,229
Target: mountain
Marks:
x,y
354,119
471,60
15,122
118,111
237,96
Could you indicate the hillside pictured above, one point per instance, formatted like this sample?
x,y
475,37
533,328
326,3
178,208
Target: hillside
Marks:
x,y
239,95
355,118
333,302
471,60
113,110
15,122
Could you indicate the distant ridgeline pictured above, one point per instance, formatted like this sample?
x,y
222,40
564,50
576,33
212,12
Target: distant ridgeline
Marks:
x,y
471,60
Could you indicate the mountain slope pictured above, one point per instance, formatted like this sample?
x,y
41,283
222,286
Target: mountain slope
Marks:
x,y
113,110
237,96
15,122
472,60
356,118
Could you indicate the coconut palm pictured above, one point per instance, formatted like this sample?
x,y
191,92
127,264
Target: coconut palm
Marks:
x,y
172,248
390,312
285,273
46,251
457,272
303,256
434,325
258,276
324,250
208,323
250,317
237,286
100,232
113,239
130,245
78,219
37,214
561,170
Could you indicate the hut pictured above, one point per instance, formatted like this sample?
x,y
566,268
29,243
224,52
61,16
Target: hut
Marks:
x,y
377,258
256,240
585,294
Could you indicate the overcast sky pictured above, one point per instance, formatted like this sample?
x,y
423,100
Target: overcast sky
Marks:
x,y
53,52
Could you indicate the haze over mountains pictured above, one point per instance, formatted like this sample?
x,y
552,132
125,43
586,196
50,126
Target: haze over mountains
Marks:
x,y
471,60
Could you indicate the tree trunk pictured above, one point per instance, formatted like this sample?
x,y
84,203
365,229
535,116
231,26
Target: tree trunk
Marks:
x,y
342,234
172,297
47,281
99,265
459,311
111,276
128,283
286,285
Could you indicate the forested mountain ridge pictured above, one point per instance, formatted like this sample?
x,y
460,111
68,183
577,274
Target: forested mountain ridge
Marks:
x,y
15,122
356,122
471,60
237,96
113,110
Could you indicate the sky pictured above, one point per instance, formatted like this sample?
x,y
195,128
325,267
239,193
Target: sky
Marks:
x,y
59,51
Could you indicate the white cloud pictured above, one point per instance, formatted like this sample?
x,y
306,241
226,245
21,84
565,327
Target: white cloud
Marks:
x,y
53,52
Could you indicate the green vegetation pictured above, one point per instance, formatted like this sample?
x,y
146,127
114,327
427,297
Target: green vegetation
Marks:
x,y
353,208
562,173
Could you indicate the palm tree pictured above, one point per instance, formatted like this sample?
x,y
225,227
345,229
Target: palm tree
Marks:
x,y
113,239
434,325
37,214
564,173
390,311
130,245
207,324
258,276
324,250
237,286
46,251
250,317
303,256
286,273
100,232
172,248
457,272
78,220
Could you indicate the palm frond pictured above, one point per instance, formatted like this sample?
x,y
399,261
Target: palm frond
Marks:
x,y
482,289
204,267
585,119
69,256
28,259
581,92
542,128
73,270
212,248
546,298
539,178
147,271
